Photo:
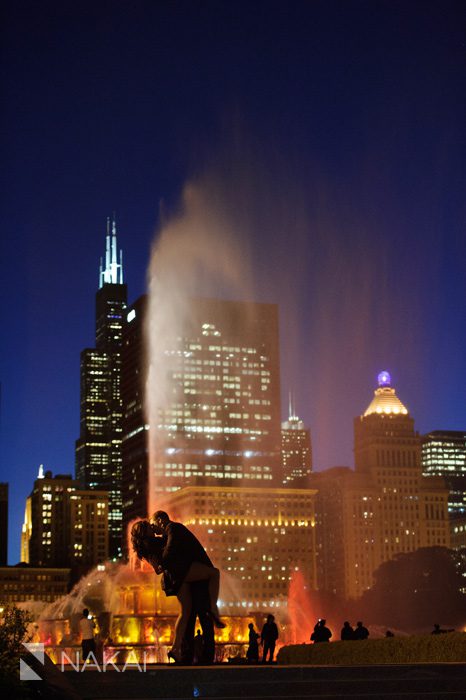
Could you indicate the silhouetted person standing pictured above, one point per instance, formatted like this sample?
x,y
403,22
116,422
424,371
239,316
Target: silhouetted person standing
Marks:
x,y
269,636
198,647
347,632
252,653
321,632
87,627
360,632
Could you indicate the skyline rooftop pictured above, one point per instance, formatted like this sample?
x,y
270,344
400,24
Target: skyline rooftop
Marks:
x,y
385,400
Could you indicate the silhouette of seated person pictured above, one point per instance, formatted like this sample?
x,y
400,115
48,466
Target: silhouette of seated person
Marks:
x,y
190,651
438,630
347,632
321,632
360,632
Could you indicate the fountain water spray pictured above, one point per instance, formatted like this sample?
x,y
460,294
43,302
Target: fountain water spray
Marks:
x,y
196,254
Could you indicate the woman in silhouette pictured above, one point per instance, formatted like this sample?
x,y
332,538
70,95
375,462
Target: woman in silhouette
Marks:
x,y
252,653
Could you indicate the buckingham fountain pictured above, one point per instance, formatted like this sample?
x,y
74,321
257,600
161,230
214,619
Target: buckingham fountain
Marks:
x,y
129,607
132,615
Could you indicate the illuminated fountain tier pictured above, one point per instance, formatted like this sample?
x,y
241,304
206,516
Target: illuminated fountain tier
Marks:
x,y
131,612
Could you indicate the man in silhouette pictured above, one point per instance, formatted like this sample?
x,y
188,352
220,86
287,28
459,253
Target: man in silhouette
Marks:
x,y
269,636
347,632
321,632
86,627
361,632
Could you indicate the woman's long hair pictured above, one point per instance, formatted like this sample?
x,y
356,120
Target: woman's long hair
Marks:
x,y
141,532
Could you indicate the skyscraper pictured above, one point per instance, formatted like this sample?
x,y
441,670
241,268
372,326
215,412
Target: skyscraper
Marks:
x,y
385,506
221,424
98,449
444,454
64,525
296,451
134,437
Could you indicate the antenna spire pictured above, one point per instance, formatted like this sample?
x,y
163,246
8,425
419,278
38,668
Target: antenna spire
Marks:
x,y
113,271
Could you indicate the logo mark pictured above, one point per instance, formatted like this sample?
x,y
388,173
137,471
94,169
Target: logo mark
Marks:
x,y
25,672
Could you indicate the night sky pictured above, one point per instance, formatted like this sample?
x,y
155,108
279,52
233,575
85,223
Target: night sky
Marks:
x,y
332,136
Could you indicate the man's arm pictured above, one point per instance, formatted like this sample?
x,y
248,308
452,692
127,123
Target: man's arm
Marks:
x,y
169,548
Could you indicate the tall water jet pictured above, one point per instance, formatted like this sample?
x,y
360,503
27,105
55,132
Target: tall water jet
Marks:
x,y
301,612
196,254
213,409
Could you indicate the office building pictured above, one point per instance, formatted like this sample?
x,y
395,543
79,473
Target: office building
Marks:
x,y
135,427
220,424
444,454
296,451
23,583
382,508
98,449
258,538
64,526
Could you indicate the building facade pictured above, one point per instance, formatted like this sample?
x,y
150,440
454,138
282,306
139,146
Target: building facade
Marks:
x,y
64,526
258,538
444,454
135,468
296,451
98,449
221,422
385,506
23,583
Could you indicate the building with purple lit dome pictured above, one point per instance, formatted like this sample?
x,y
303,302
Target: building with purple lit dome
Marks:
x,y
385,506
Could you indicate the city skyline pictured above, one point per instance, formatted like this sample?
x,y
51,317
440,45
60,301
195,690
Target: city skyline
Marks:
x,y
348,194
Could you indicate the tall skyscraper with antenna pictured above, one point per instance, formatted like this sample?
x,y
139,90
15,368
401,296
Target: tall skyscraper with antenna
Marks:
x,y
98,448
296,450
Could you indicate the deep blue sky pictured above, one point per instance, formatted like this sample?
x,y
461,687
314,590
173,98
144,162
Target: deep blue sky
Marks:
x,y
336,134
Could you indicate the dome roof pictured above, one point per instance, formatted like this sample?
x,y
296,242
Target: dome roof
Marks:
x,y
385,400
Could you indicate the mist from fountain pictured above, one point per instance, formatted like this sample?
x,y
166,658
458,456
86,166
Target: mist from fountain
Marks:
x,y
301,612
196,254
128,607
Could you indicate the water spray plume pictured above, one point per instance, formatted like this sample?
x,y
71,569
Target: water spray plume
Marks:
x,y
196,254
